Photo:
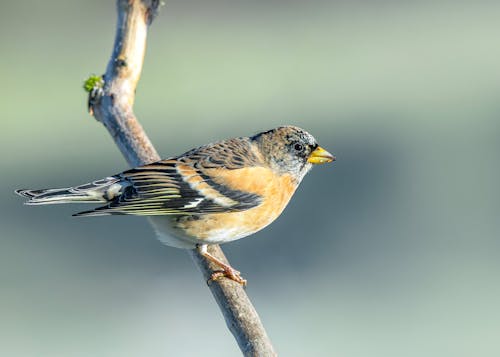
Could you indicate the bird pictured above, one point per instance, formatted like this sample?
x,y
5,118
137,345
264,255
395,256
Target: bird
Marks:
x,y
212,194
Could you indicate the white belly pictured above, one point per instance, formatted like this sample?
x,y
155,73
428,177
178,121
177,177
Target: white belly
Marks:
x,y
170,235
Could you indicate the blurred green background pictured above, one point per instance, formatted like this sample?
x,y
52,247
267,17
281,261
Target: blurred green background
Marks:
x,y
391,251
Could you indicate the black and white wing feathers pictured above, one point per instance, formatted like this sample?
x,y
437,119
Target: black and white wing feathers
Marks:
x,y
181,186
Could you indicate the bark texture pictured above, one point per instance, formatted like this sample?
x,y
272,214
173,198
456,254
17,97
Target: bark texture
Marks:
x,y
112,105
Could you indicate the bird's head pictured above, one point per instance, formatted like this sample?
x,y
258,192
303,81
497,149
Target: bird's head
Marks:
x,y
292,150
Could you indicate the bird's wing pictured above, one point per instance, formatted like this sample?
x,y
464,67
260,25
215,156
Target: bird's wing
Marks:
x,y
184,185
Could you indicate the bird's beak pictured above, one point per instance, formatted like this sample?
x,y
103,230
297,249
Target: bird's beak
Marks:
x,y
320,156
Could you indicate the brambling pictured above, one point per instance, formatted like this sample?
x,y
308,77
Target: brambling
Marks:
x,y
213,194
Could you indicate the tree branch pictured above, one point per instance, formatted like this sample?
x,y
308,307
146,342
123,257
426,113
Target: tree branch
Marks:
x,y
112,105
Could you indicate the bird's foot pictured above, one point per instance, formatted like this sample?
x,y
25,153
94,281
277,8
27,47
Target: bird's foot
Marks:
x,y
227,272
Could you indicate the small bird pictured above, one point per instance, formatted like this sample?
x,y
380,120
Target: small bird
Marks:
x,y
213,194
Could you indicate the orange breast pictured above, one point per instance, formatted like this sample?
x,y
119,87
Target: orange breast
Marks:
x,y
275,191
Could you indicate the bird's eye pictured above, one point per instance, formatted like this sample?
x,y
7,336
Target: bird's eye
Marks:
x,y
298,147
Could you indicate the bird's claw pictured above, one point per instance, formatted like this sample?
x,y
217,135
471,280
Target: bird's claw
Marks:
x,y
229,273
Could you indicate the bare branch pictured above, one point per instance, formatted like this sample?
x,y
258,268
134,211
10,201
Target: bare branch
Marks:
x,y
113,107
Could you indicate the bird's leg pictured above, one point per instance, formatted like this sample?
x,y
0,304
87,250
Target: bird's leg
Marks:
x,y
226,270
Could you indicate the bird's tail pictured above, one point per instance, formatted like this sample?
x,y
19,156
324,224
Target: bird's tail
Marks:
x,y
98,191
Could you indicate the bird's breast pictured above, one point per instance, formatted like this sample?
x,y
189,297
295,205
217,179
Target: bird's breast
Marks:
x,y
216,228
